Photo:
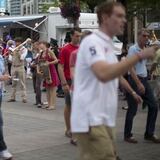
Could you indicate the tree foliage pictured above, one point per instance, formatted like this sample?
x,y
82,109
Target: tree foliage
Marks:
x,y
54,3
142,7
92,4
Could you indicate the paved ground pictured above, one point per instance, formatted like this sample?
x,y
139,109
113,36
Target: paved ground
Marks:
x,y
37,134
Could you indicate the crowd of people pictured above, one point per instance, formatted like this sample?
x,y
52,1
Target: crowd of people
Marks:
x,y
87,73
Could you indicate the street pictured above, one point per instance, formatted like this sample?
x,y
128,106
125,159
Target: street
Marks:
x,y
38,134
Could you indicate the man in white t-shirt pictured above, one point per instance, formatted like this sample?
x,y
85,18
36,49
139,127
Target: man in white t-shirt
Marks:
x,y
95,97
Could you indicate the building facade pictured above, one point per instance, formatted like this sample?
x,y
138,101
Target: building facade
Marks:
x,y
4,8
15,7
29,7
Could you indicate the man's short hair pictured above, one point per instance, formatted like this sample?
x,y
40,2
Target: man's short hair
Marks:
x,y
18,39
74,30
106,8
142,30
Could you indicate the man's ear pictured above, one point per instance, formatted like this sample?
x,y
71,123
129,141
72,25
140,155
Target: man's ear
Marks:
x,y
105,17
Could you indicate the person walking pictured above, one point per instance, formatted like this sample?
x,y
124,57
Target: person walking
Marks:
x,y
65,76
29,58
18,72
36,77
4,153
50,60
138,79
95,96
8,54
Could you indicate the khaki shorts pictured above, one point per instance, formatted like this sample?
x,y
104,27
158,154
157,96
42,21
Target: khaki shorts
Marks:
x,y
98,144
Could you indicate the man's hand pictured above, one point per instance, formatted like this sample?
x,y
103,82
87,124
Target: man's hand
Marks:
x,y
148,53
40,73
5,77
47,63
137,98
65,88
141,88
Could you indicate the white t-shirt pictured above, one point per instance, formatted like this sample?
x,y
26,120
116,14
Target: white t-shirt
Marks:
x,y
24,53
94,102
10,56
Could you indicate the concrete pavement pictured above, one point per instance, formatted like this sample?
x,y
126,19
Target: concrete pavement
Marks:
x,y
38,134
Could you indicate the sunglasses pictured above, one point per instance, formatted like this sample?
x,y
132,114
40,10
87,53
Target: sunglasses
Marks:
x,y
145,36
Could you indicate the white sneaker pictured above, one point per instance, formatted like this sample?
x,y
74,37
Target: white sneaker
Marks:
x,y
5,155
51,108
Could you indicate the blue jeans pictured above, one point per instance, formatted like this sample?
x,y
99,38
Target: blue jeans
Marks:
x,y
2,143
148,99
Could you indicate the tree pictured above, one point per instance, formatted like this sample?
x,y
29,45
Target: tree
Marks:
x,y
54,3
71,11
92,4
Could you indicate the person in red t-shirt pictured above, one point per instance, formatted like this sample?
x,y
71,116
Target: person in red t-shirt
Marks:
x,y
73,56
64,73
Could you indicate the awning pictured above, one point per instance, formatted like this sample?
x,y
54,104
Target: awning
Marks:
x,y
21,21
12,19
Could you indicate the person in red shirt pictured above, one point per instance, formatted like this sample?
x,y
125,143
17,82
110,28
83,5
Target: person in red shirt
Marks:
x,y
65,76
73,57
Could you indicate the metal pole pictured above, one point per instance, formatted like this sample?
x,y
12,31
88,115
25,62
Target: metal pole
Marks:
x,y
135,28
40,23
24,25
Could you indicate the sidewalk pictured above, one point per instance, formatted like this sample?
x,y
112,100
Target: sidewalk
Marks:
x,y
37,134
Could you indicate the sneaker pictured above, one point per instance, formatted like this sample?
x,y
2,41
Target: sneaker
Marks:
x,y
45,103
125,108
153,139
39,106
60,95
44,107
118,158
51,108
11,100
73,142
24,101
29,77
131,140
6,155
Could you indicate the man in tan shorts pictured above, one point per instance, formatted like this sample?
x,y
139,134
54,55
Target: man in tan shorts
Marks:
x,y
95,97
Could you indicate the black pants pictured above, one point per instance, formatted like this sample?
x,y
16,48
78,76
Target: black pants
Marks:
x,y
2,143
9,68
37,81
149,99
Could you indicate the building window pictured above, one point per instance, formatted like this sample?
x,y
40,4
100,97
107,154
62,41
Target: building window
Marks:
x,y
28,8
24,10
